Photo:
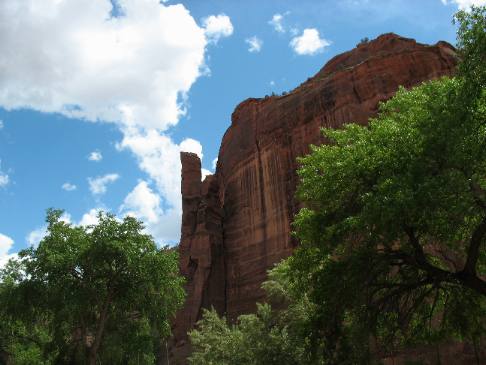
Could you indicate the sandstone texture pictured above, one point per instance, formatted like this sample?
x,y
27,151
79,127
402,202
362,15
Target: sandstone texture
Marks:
x,y
237,223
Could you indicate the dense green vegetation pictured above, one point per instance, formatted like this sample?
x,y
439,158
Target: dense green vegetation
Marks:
x,y
88,295
392,234
268,337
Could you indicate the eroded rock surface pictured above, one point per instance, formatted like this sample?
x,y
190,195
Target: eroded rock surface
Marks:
x,y
237,223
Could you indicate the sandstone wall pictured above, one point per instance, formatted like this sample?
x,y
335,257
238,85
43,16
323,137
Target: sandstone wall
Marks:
x,y
237,223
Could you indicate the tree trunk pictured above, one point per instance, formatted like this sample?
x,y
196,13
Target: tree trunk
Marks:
x,y
4,358
93,351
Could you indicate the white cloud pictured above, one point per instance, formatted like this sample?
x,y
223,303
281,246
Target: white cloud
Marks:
x,y
214,163
191,145
98,184
90,218
6,244
204,173
134,70
1,124
4,178
217,26
255,44
277,22
159,157
71,57
142,203
465,4
95,156
68,186
145,204
309,43
34,237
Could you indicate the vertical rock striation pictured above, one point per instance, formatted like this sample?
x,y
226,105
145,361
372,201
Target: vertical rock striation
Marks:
x,y
201,248
237,223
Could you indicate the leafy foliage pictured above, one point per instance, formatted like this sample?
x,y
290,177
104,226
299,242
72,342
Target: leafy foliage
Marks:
x,y
392,235
270,336
100,292
471,42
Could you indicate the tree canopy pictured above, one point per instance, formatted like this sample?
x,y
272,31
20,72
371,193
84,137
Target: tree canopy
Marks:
x,y
394,226
269,337
85,293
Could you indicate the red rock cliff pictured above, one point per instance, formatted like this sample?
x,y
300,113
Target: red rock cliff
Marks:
x,y
237,223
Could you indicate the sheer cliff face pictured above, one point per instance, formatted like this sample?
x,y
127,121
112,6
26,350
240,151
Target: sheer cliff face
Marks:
x,y
237,223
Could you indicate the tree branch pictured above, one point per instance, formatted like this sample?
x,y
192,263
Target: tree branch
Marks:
x,y
474,246
421,259
465,277
478,194
472,282
93,353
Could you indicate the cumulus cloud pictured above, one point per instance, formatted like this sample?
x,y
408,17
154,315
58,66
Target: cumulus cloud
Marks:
x,y
159,157
191,145
465,4
68,186
309,42
277,22
214,163
145,204
35,236
90,218
254,44
217,26
95,156
72,57
133,68
98,185
204,173
142,203
6,244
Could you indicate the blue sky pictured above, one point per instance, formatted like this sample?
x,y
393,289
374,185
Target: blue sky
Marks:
x,y
97,101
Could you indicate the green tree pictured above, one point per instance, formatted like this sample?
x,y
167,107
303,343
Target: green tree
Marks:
x,y
23,336
268,337
104,291
394,226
